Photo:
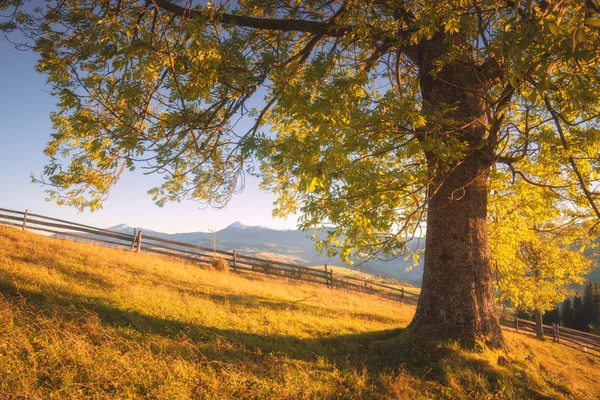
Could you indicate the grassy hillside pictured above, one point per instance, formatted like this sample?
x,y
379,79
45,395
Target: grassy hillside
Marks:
x,y
81,321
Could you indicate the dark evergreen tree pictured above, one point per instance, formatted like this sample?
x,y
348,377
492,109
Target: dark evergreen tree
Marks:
x,y
566,313
579,321
524,314
552,316
596,311
588,306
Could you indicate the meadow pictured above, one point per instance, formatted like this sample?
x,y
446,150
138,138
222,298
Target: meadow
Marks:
x,y
84,321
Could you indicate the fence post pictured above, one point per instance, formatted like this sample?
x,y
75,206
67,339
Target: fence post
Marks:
x,y
326,276
139,241
517,324
25,219
133,239
331,278
556,333
234,260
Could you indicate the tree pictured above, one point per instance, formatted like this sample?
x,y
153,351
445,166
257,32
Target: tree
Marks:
x,y
537,257
579,321
566,313
596,312
371,118
213,239
545,271
523,313
552,316
587,306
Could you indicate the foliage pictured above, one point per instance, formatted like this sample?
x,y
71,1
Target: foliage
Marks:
x,y
537,246
590,304
83,321
595,317
552,316
523,314
574,314
582,312
328,95
566,313
579,321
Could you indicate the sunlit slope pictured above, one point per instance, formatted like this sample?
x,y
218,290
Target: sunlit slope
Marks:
x,y
82,321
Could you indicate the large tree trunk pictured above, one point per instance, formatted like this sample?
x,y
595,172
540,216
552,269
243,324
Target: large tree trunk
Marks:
x,y
457,297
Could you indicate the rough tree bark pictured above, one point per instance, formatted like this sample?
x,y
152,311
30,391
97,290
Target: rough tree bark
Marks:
x,y
457,298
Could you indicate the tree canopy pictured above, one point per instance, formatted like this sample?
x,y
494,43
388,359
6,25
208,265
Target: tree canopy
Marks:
x,y
538,251
373,117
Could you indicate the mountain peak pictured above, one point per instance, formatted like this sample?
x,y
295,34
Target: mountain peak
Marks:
x,y
119,227
238,224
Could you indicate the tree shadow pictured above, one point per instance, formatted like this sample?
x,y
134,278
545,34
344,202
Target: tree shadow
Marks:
x,y
50,301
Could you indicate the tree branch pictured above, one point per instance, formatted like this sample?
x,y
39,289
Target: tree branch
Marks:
x,y
285,25
565,145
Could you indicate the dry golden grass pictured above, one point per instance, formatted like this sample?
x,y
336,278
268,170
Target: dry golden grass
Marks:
x,y
82,321
345,272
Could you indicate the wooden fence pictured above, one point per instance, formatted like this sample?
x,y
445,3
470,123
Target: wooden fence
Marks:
x,y
139,241
584,341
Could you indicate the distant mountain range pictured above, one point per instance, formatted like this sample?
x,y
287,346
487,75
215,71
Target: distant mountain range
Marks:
x,y
287,245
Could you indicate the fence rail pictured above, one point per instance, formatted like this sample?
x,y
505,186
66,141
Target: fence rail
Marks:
x,y
584,341
138,241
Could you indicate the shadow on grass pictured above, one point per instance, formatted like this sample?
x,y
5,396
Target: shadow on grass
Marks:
x,y
51,301
376,353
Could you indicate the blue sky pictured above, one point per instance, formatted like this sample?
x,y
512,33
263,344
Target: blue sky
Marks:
x,y
25,105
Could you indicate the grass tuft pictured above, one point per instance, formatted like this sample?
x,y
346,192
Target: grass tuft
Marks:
x,y
219,264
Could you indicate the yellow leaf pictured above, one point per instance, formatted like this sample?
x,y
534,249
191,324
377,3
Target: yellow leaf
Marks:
x,y
593,22
580,35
